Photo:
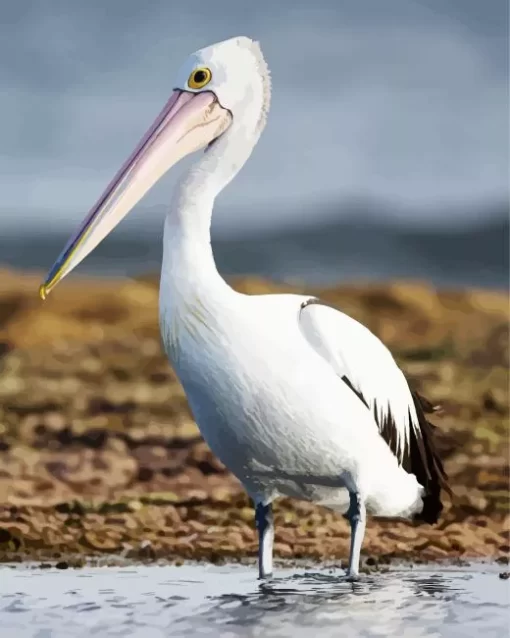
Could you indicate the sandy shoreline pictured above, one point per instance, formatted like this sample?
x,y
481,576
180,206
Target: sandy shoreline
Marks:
x,y
99,454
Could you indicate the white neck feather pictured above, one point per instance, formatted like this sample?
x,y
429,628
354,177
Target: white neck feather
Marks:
x,y
188,261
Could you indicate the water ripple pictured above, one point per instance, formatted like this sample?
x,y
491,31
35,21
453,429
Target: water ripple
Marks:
x,y
201,600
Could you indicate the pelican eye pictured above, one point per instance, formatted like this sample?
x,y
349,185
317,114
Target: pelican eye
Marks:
x,y
199,78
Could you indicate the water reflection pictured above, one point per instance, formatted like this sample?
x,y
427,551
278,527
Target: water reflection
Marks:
x,y
380,605
152,602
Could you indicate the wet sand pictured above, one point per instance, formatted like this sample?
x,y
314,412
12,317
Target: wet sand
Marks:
x,y
99,455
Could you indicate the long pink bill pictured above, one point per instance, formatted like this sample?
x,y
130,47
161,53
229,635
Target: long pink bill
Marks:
x,y
188,122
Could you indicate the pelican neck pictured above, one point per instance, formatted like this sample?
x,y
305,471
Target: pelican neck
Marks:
x,y
188,265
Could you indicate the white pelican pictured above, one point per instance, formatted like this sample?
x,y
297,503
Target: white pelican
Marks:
x,y
293,396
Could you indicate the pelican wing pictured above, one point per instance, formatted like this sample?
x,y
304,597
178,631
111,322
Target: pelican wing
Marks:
x,y
364,363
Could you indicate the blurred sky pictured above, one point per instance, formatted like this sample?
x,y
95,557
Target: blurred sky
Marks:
x,y
399,101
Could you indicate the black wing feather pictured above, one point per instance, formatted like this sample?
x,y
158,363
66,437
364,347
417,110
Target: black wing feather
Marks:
x,y
421,457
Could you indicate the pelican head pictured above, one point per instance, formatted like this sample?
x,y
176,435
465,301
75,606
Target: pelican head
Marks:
x,y
221,91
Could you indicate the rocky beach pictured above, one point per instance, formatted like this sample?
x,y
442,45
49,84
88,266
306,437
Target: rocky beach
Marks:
x,y
99,455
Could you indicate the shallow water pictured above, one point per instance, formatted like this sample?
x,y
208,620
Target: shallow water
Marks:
x,y
202,600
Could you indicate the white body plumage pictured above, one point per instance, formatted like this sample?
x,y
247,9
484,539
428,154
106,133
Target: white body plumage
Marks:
x,y
272,408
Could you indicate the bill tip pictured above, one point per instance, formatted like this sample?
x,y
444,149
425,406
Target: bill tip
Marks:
x,y
43,292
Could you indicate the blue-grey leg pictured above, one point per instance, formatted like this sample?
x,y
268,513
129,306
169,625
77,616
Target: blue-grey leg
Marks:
x,y
265,526
356,515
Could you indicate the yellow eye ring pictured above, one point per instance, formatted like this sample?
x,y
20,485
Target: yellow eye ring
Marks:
x,y
199,78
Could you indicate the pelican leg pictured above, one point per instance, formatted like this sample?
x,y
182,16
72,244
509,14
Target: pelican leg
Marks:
x,y
265,526
356,515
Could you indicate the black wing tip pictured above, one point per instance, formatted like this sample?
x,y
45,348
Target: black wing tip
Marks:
x,y
426,463
432,508
422,459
